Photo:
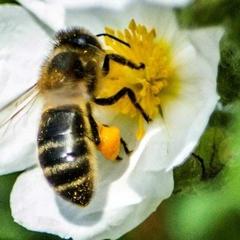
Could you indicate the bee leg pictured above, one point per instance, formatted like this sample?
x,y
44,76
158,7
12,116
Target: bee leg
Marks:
x,y
94,129
118,158
127,151
113,99
121,60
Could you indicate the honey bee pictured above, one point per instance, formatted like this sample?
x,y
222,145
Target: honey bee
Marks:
x,y
68,133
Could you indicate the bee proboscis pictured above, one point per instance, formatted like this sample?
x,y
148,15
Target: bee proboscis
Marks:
x,y
68,133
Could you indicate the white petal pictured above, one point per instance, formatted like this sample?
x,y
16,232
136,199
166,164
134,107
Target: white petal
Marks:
x,y
119,19
187,115
206,42
91,3
95,15
18,142
172,3
22,48
152,150
49,12
96,4
23,45
62,13
115,18
127,193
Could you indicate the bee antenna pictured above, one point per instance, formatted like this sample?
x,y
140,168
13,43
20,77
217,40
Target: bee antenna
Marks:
x,y
113,37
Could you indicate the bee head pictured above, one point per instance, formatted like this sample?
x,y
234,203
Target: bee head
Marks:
x,y
77,57
76,38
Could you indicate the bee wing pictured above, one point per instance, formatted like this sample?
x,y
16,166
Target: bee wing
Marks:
x,y
95,51
18,132
15,115
14,108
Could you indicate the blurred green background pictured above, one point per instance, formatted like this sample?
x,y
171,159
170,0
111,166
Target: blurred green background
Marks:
x,y
206,199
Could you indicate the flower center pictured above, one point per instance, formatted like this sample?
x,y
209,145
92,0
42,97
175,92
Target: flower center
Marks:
x,y
146,83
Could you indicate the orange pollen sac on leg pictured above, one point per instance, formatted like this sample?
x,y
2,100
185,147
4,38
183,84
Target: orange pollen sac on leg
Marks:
x,y
110,141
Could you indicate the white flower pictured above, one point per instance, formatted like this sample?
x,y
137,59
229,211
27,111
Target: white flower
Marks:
x,y
129,191
60,13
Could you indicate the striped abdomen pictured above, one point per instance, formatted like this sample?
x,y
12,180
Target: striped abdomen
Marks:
x,y
65,153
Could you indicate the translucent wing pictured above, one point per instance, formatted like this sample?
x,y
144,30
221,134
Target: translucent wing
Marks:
x,y
14,109
19,122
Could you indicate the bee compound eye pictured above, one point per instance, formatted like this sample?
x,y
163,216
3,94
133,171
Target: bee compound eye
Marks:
x,y
86,39
76,38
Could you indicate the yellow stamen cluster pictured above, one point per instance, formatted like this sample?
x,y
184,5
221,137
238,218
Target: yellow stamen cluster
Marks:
x,y
146,83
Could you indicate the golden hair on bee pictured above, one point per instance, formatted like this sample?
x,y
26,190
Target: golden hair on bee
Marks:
x,y
74,66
